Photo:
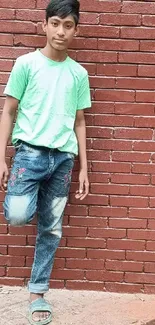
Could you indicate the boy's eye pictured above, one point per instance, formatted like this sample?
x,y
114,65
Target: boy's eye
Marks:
x,y
54,24
68,26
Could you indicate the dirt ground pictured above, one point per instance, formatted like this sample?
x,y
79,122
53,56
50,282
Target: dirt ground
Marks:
x,y
80,307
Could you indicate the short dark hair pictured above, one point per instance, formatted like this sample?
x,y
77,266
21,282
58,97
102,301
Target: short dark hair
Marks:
x,y
63,8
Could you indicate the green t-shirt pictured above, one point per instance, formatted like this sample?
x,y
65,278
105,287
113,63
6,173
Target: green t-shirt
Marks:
x,y
49,95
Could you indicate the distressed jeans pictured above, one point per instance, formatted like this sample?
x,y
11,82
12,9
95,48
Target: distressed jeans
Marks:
x,y
39,182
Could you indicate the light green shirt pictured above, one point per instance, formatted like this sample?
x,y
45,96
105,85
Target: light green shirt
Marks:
x,y
49,95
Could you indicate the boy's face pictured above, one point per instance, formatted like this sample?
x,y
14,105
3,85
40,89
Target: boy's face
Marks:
x,y
60,32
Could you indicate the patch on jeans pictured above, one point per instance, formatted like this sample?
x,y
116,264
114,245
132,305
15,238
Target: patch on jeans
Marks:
x,y
67,178
17,175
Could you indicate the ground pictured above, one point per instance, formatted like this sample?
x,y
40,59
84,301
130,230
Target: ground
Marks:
x,y
80,307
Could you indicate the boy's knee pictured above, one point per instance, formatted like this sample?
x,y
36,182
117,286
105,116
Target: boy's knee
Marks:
x,y
16,210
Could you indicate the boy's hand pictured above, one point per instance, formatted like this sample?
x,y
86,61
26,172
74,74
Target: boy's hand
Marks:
x,y
4,173
83,185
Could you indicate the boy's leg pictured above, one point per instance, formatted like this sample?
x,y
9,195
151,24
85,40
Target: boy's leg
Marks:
x,y
21,199
53,195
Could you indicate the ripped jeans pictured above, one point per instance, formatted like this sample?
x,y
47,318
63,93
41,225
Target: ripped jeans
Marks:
x,y
39,181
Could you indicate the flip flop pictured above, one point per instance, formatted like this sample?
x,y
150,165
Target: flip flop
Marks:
x,y
39,304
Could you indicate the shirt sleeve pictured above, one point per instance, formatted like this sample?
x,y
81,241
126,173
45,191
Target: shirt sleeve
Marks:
x,y
17,81
84,99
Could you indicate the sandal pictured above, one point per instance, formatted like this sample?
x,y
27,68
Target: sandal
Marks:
x,y
39,304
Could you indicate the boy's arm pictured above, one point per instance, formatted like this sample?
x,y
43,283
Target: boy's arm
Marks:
x,y
6,126
80,130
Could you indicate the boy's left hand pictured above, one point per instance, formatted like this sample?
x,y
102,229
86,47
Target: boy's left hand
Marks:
x,y
83,185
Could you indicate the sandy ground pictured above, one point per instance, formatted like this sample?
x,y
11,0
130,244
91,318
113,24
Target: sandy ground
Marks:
x,y
80,307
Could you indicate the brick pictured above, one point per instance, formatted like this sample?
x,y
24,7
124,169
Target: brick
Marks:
x,y
129,201
41,4
76,210
84,264
102,107
96,132
127,223
68,274
139,277
133,134
117,70
143,168
98,178
111,167
12,52
134,109
135,83
92,199
3,229
12,240
138,7
7,14
144,121
141,234
56,284
118,45
74,231
123,287
17,27
6,39
132,156
152,202
149,267
99,31
89,18
6,65
96,56
90,222
109,189
18,4
149,289
145,96
113,120
142,213
115,95
140,256
124,266
120,19
18,272
147,46
96,6
29,40
25,230
90,67
146,71
112,144
12,261
144,146
137,32
85,285
151,223
142,190
71,252
87,242
12,281
102,82
30,15
130,179
107,211
98,155
126,244
20,251
150,245
83,43
104,276
106,233
104,254
136,57
4,77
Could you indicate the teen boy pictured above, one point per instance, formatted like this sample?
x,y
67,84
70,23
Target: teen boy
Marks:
x,y
50,91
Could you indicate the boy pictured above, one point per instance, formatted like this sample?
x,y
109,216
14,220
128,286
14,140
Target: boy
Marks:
x,y
50,90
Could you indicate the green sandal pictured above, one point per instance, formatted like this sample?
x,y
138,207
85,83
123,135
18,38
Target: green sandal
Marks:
x,y
39,304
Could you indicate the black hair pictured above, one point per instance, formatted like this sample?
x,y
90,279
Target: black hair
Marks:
x,y
63,8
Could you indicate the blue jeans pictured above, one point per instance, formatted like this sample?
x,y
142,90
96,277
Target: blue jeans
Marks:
x,y
39,181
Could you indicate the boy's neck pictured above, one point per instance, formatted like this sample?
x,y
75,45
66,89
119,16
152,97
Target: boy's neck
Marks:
x,y
58,56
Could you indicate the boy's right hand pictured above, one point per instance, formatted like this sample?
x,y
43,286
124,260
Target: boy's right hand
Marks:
x,y
4,173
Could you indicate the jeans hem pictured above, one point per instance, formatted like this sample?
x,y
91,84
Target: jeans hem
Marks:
x,y
38,288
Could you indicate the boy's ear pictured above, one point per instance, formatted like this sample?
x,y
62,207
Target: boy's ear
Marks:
x,y
76,31
44,25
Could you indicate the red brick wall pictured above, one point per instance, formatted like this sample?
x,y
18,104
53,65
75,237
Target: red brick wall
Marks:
x,y
108,241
